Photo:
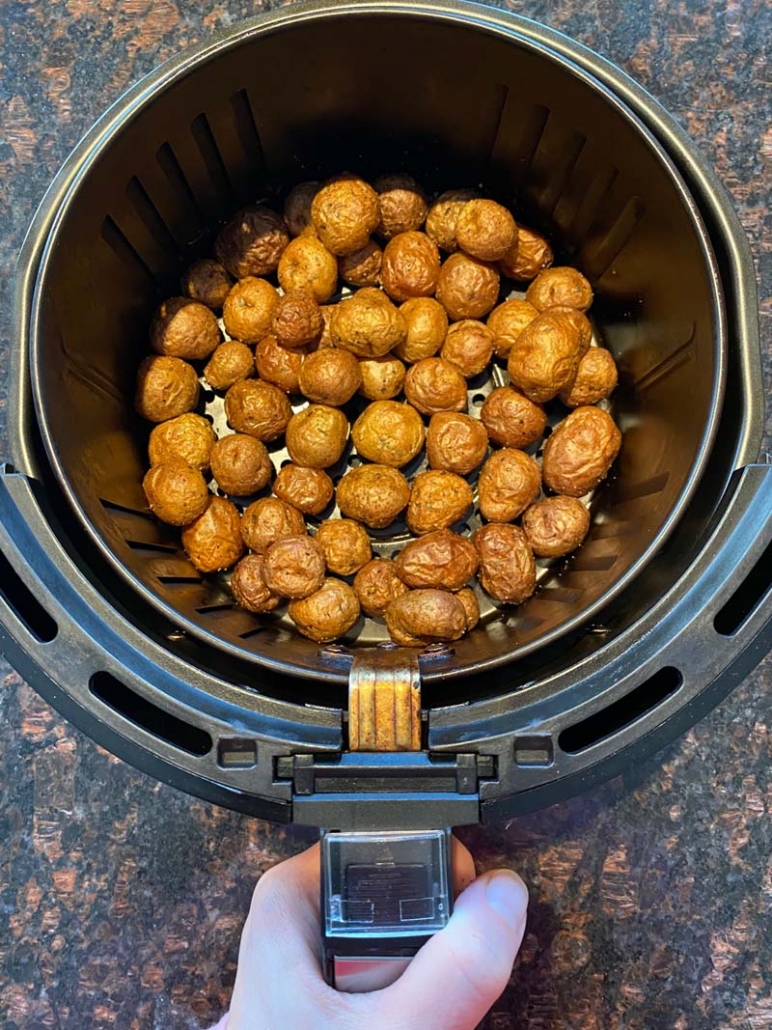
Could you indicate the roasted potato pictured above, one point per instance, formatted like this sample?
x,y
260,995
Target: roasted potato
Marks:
x,y
345,544
373,494
382,378
529,255
485,230
512,420
579,321
327,614
308,265
249,588
183,328
425,617
595,379
257,409
507,321
580,452
213,541
240,464
467,288
363,267
468,598
345,213
294,566
268,520
442,559
297,319
456,443
389,433
297,207
166,388
545,357
367,324
560,287
427,327
189,437
437,500
175,492
331,376
410,266
443,215
507,567
377,585
402,205
556,526
433,384
207,282
279,366
317,436
308,490
468,347
252,243
231,362
248,310
509,481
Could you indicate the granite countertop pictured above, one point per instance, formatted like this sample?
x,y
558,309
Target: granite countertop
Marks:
x,y
121,900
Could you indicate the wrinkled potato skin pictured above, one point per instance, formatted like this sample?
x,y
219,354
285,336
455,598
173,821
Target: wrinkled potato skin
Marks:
x,y
377,585
455,443
248,586
427,327
410,266
545,357
468,347
433,384
507,321
307,265
257,409
308,490
166,388
512,420
317,436
252,242
207,282
580,322
294,567
183,328
437,500
330,376
509,481
530,254
231,362
175,492
213,541
443,215
345,213
279,365
425,617
468,598
297,207
560,287
363,267
556,526
507,567
268,520
367,324
248,310
580,452
382,378
467,288
188,437
240,464
325,340
327,614
485,229
595,379
345,544
442,559
389,433
297,320
373,494
402,205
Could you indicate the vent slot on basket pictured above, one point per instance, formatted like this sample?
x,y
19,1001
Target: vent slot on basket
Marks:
x,y
746,597
24,605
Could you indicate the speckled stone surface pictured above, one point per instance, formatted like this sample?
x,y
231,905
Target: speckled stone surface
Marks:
x,y
121,900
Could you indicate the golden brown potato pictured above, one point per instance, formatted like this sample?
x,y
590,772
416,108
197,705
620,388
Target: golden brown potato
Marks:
x,y
468,347
509,481
252,242
456,443
248,310
308,265
175,492
325,340
345,213
433,384
402,204
560,287
240,464
595,379
248,585
511,419
213,541
425,617
507,568
189,437
297,319
367,324
330,376
507,321
530,254
377,585
207,282
443,215
373,494
545,357
389,433
442,559
327,614
556,526
437,500
382,378
294,567
258,409
485,229
297,207
230,363
468,598
166,388
279,365
268,520
317,436
467,288
183,328
308,490
427,327
580,452
345,544
410,266
363,267
579,321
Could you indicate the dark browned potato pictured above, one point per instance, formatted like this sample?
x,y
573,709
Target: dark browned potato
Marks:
x,y
345,213
556,526
485,229
327,614
580,452
560,287
507,568
268,520
468,347
248,310
308,265
425,617
507,321
373,494
389,433
308,490
456,443
345,544
427,327
248,585
297,207
213,541
175,492
595,379
402,204
252,242
433,384
166,388
410,267
317,436
297,319
363,267
207,282
279,365
545,357
240,464
530,255
367,324
330,376
509,481
511,419
258,409
183,328
382,378
468,598
443,215
579,321
467,288
442,559
437,500
377,585
231,362
294,567
189,437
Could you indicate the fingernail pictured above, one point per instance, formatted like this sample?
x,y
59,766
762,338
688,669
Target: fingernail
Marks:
x,y
508,895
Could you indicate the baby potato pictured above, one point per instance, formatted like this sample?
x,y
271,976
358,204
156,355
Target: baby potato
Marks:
x,y
509,481
166,388
467,288
345,213
367,324
363,267
427,327
297,207
423,617
507,321
328,613
507,567
279,366
294,566
433,384
248,310
249,588
595,379
252,243
175,492
308,490
188,437
442,559
456,443
382,378
270,519
560,287
437,500
556,526
443,215
207,282
580,452
529,255
213,541
183,328
402,204
330,376
240,464
468,598
485,229
317,436
410,266
511,419
231,362
468,347
579,321
257,409
373,494
389,433
307,265
297,319
345,544
545,357
377,585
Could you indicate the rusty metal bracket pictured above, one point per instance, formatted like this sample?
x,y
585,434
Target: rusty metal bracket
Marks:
x,y
384,701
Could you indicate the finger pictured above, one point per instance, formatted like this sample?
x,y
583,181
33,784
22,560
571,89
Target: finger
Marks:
x,y
463,866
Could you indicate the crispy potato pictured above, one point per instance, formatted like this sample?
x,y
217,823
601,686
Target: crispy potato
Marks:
x,y
257,409
579,321
467,288
308,490
382,378
580,452
468,347
433,384
402,204
509,481
231,362
207,282
175,492
249,588
529,255
183,328
545,357
308,265
297,207
317,436
507,321
556,526
166,388
389,433
297,319
437,500
443,215
213,541
410,266
507,567
363,267
442,559
188,437
425,617
294,566
560,287
512,420
248,310
367,324
456,443
345,544
240,464
279,366
268,520
377,585
252,243
595,379
485,229
427,326
345,213
327,614
468,598
330,376
373,494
